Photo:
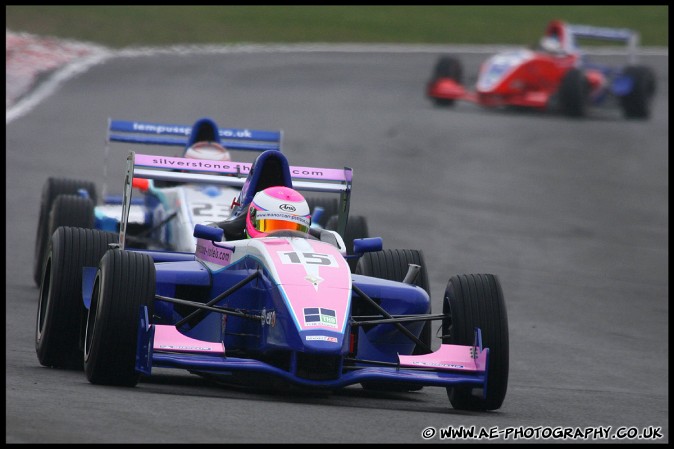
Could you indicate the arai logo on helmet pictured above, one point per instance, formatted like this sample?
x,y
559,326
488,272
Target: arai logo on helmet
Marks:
x,y
287,208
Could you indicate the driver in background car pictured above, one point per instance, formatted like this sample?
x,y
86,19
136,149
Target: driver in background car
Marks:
x,y
552,44
203,145
204,142
207,150
554,41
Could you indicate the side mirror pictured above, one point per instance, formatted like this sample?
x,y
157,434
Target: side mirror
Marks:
x,y
367,245
208,233
316,215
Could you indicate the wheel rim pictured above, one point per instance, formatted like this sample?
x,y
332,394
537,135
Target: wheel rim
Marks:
x,y
91,320
44,300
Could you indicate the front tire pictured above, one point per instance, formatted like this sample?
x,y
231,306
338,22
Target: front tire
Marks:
x,y
60,306
476,300
125,282
446,67
637,103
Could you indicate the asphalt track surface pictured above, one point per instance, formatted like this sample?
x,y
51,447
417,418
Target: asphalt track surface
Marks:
x,y
572,215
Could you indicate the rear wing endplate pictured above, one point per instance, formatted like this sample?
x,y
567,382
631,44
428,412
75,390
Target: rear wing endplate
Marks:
x,y
624,35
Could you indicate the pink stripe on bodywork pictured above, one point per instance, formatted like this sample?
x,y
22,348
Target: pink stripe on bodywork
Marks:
x,y
312,274
231,167
448,357
168,339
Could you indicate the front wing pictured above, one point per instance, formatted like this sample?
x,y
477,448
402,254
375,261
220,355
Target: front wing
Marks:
x,y
451,365
448,89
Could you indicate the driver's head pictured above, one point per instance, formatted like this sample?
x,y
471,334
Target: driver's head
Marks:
x,y
275,209
551,44
211,151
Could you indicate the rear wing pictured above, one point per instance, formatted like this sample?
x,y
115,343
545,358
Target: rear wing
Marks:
x,y
147,133
233,174
622,35
178,135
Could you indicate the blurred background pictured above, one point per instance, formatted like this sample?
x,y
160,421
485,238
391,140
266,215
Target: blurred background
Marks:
x,y
121,26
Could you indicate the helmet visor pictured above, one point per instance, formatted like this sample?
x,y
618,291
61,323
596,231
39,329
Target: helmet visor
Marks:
x,y
271,225
270,222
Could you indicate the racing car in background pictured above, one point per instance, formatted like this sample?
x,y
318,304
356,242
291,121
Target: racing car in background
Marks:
x,y
285,309
165,215
554,76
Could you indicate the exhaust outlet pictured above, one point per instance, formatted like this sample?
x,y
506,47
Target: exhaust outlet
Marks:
x,y
412,272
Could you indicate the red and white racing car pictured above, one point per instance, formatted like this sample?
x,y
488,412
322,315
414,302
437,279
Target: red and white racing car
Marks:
x,y
554,76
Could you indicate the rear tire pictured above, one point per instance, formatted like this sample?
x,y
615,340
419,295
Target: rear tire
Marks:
x,y
50,191
637,103
476,300
60,306
71,210
393,265
125,282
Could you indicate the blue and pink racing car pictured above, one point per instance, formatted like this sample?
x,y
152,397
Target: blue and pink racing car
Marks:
x,y
286,308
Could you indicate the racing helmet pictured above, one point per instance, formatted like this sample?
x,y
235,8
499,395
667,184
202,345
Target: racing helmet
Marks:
x,y
277,208
211,151
551,44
